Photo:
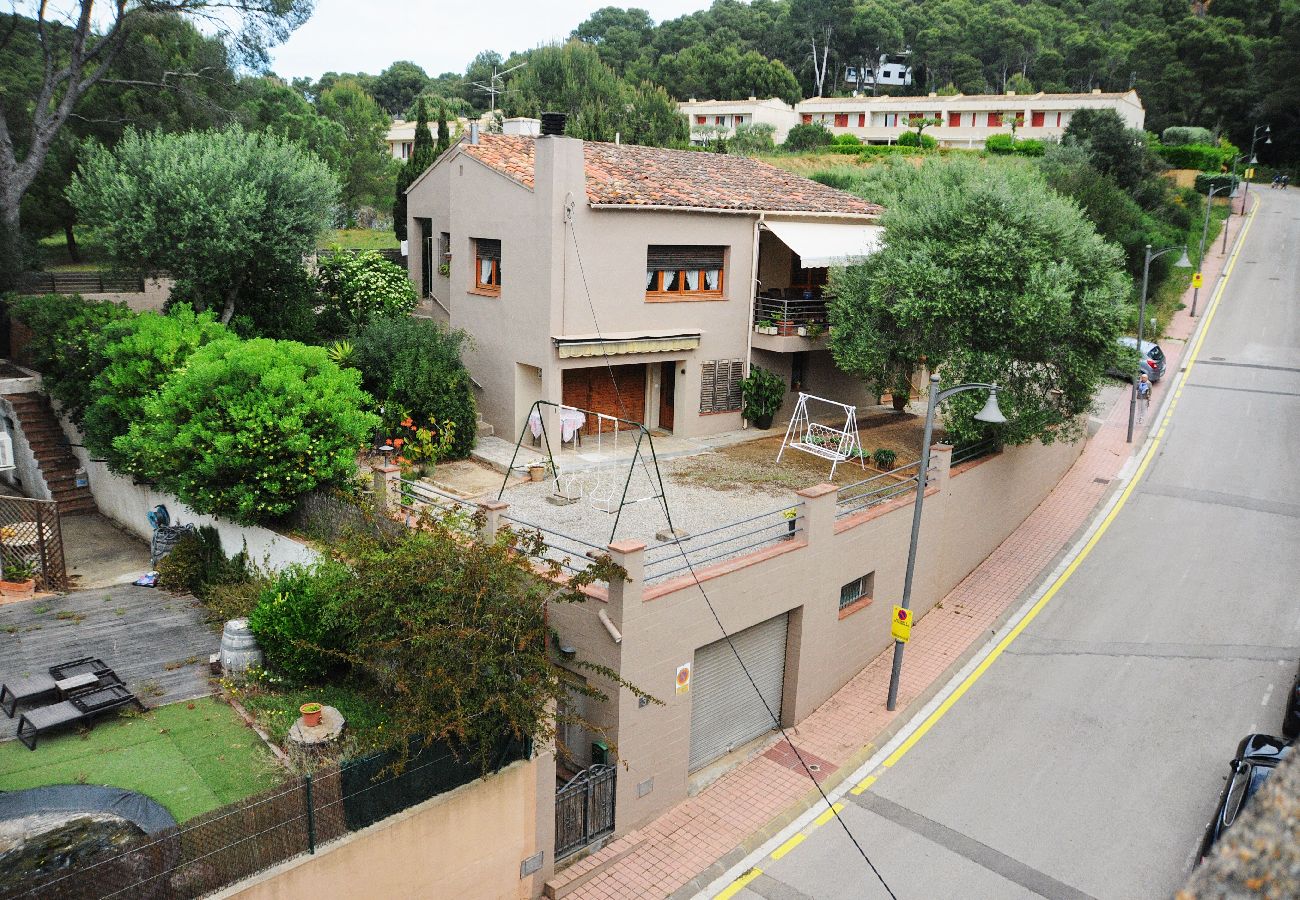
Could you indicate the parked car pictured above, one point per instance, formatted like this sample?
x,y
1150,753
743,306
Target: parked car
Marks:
x,y
1291,719
1257,756
1151,364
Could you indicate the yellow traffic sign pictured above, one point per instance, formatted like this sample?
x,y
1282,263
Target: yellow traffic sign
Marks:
x,y
901,628
1196,280
1250,174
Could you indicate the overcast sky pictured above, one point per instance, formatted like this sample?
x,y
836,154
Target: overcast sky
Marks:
x,y
441,36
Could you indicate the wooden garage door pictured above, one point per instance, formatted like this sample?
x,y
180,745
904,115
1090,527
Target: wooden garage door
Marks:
x,y
594,390
725,709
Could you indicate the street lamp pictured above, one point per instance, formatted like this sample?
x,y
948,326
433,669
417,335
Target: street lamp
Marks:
x,y
1231,196
1254,138
1205,230
1183,263
990,414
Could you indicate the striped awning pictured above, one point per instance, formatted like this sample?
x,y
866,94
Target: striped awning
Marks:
x,y
578,346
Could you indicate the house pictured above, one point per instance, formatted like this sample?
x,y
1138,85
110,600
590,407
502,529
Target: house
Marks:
x,y
635,282
964,120
888,73
720,117
401,134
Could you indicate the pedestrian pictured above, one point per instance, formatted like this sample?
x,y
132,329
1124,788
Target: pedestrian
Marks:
x,y
1277,181
1286,179
1144,397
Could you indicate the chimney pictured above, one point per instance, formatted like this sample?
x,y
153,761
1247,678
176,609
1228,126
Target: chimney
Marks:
x,y
473,132
553,124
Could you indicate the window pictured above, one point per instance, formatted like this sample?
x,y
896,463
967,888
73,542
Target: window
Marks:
x,y
913,117
806,118
740,120
841,120
1037,119
406,149
798,366
891,120
808,279
858,589
444,246
427,264
954,120
719,120
720,385
683,273
700,120
995,120
862,120
487,266
1058,120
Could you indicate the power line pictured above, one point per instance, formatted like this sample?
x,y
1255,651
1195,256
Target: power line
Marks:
x,y
568,216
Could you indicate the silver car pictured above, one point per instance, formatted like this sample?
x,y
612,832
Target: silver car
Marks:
x,y
1151,364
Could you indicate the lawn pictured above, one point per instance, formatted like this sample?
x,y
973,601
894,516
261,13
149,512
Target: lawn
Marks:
x,y
190,757
276,708
360,239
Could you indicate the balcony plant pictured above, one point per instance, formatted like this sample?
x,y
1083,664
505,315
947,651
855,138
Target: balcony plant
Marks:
x,y
767,326
762,392
785,327
19,580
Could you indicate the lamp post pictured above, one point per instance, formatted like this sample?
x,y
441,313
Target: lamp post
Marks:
x,y
990,414
1183,263
1260,130
1205,230
1231,196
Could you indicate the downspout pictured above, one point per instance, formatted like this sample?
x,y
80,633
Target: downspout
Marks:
x,y
753,302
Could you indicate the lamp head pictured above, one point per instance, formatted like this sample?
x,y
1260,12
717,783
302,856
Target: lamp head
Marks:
x,y
1254,160
991,414
1233,195
1183,261
1268,139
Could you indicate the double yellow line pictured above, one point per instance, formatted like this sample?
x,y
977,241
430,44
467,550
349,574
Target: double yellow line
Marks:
x,y
942,710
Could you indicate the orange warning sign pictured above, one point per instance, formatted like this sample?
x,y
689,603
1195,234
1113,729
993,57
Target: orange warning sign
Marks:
x,y
683,678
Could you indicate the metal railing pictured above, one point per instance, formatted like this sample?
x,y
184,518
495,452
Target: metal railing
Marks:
x,y
967,452
665,559
79,283
796,312
414,497
860,495
573,554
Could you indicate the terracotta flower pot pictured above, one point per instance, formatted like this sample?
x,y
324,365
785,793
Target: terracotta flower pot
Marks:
x,y
786,328
311,713
18,590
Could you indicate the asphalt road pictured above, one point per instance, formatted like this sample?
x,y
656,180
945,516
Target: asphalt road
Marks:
x,y
1088,758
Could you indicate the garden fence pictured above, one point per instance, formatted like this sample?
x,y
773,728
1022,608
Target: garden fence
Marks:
x,y
31,533
226,845
79,283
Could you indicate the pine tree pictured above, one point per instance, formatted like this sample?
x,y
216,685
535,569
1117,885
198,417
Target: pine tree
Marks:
x,y
422,156
444,136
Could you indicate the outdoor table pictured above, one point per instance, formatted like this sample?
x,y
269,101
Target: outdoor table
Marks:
x,y
67,685
571,423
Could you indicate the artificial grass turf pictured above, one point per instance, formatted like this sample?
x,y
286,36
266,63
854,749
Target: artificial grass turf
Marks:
x,y
189,760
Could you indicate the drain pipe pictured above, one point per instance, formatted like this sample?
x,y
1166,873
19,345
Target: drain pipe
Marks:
x,y
610,627
753,303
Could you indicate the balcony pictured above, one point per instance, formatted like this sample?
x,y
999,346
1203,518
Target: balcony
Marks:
x,y
789,324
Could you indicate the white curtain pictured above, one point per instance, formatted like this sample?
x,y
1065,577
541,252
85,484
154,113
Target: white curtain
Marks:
x,y
711,279
485,271
692,279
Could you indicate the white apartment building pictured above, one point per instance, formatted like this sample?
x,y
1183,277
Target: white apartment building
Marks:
x,y
708,117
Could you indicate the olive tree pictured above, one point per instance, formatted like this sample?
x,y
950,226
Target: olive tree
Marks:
x,y
212,209
986,275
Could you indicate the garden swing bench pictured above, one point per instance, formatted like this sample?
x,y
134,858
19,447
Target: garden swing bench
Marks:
x,y
825,441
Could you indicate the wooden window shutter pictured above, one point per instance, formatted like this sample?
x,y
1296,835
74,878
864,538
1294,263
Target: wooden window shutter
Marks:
x,y
733,384
708,377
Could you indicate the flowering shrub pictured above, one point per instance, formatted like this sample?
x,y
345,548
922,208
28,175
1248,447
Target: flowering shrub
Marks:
x,y
296,620
354,287
246,427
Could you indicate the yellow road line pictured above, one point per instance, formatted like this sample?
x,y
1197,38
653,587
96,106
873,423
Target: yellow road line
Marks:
x,y
789,845
1097,535
736,886
829,814
863,785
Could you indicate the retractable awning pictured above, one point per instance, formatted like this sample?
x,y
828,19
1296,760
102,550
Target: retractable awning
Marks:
x,y
578,346
821,244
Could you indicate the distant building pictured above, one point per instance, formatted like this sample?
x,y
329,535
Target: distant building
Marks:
x,y
889,73
964,120
720,117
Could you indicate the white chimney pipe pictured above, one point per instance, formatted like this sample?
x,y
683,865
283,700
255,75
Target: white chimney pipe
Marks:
x,y
473,132
609,626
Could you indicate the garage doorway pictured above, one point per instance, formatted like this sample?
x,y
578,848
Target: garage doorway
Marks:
x,y
726,712
600,388
667,395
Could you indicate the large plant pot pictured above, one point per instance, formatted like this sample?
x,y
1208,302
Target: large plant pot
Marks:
x,y
899,401
18,590
764,421
786,328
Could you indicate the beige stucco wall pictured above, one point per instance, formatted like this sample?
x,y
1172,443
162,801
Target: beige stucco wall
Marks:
x,y
967,515
466,843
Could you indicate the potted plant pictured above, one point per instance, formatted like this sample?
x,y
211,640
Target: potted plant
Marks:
x,y
537,471
762,393
884,459
310,714
444,269
803,331
767,326
19,580
816,330
785,327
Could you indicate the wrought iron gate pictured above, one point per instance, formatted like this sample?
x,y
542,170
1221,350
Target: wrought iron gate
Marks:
x,y
584,809
31,538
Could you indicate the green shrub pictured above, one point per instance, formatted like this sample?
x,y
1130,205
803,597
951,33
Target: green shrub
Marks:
x,y
884,458
807,137
1000,143
847,140
1206,157
68,339
413,367
355,287
247,427
197,565
139,355
763,393
1207,180
1178,135
1030,147
912,139
296,620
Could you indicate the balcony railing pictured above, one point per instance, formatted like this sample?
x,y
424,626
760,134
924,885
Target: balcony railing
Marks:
x,y
798,312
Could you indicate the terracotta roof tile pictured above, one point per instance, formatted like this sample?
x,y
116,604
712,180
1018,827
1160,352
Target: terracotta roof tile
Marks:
x,y
628,175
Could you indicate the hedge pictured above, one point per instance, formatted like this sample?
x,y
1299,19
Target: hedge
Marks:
x,y
1206,157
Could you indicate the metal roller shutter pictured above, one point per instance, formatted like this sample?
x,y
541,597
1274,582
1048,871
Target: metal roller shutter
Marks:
x,y
725,710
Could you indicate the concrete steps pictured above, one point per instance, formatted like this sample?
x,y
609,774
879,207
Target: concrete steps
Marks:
x,y
58,466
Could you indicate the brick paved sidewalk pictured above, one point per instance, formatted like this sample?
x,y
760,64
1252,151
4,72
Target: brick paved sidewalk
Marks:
x,y
684,849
